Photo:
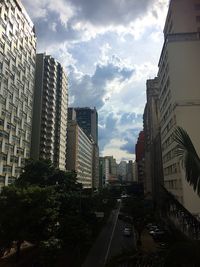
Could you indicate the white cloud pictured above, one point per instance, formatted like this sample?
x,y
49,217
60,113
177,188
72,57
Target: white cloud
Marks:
x,y
108,48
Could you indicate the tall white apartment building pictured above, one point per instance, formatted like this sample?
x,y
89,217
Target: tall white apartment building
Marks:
x,y
50,112
17,70
179,83
79,154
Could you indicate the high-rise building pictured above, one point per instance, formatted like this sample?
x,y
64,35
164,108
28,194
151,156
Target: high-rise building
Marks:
x,y
153,156
95,167
87,119
50,112
130,171
17,74
179,82
139,151
122,170
79,154
108,170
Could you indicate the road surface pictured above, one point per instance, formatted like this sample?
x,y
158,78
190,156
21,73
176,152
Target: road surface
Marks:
x,y
109,243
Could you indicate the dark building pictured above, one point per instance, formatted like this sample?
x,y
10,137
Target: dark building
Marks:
x,y
87,119
50,111
153,155
139,150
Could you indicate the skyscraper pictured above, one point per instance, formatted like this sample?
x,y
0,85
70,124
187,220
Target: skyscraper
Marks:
x,y
179,96
87,119
153,155
17,70
50,112
79,154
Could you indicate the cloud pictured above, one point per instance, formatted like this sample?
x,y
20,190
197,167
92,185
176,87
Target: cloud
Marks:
x,y
78,20
118,133
108,49
94,90
107,129
130,137
111,12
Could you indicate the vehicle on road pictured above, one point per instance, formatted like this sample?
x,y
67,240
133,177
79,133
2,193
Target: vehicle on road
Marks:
x,y
127,231
157,232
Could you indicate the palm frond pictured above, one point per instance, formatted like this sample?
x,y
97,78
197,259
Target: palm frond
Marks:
x,y
189,156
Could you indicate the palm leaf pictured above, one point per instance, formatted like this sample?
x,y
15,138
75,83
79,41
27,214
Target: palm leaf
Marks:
x,y
189,156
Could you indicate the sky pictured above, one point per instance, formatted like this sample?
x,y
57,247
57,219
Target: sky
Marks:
x,y
109,48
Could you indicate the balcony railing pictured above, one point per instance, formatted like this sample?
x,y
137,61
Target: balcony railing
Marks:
x,y
187,223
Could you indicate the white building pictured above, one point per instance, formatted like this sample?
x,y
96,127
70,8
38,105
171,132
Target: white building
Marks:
x,y
17,70
179,82
79,154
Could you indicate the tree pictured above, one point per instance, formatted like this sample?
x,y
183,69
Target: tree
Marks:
x,y
27,214
36,173
189,156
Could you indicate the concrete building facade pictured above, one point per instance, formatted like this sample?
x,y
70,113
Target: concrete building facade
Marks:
x,y
153,155
87,120
17,75
139,151
122,170
50,112
79,154
130,171
179,82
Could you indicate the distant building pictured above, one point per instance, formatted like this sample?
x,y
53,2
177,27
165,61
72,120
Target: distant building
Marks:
x,y
102,174
79,154
153,155
179,96
130,171
17,77
87,119
50,111
122,170
108,170
95,167
139,150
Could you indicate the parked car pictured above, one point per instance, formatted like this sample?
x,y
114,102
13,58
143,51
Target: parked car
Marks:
x,y
127,231
157,231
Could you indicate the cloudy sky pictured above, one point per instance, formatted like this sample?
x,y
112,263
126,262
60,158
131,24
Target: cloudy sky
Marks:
x,y
109,49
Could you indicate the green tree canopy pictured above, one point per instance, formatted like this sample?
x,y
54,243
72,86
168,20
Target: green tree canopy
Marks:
x,y
27,214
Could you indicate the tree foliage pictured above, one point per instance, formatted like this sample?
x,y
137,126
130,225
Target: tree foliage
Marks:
x,y
27,214
189,156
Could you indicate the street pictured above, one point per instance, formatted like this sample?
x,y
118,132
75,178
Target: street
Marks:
x,y
110,242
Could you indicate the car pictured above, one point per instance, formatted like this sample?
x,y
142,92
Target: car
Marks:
x,y
127,231
157,231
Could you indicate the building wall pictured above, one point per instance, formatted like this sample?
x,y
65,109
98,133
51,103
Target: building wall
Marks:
x,y
122,170
17,75
95,167
87,119
153,155
180,95
50,112
140,150
182,16
79,154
